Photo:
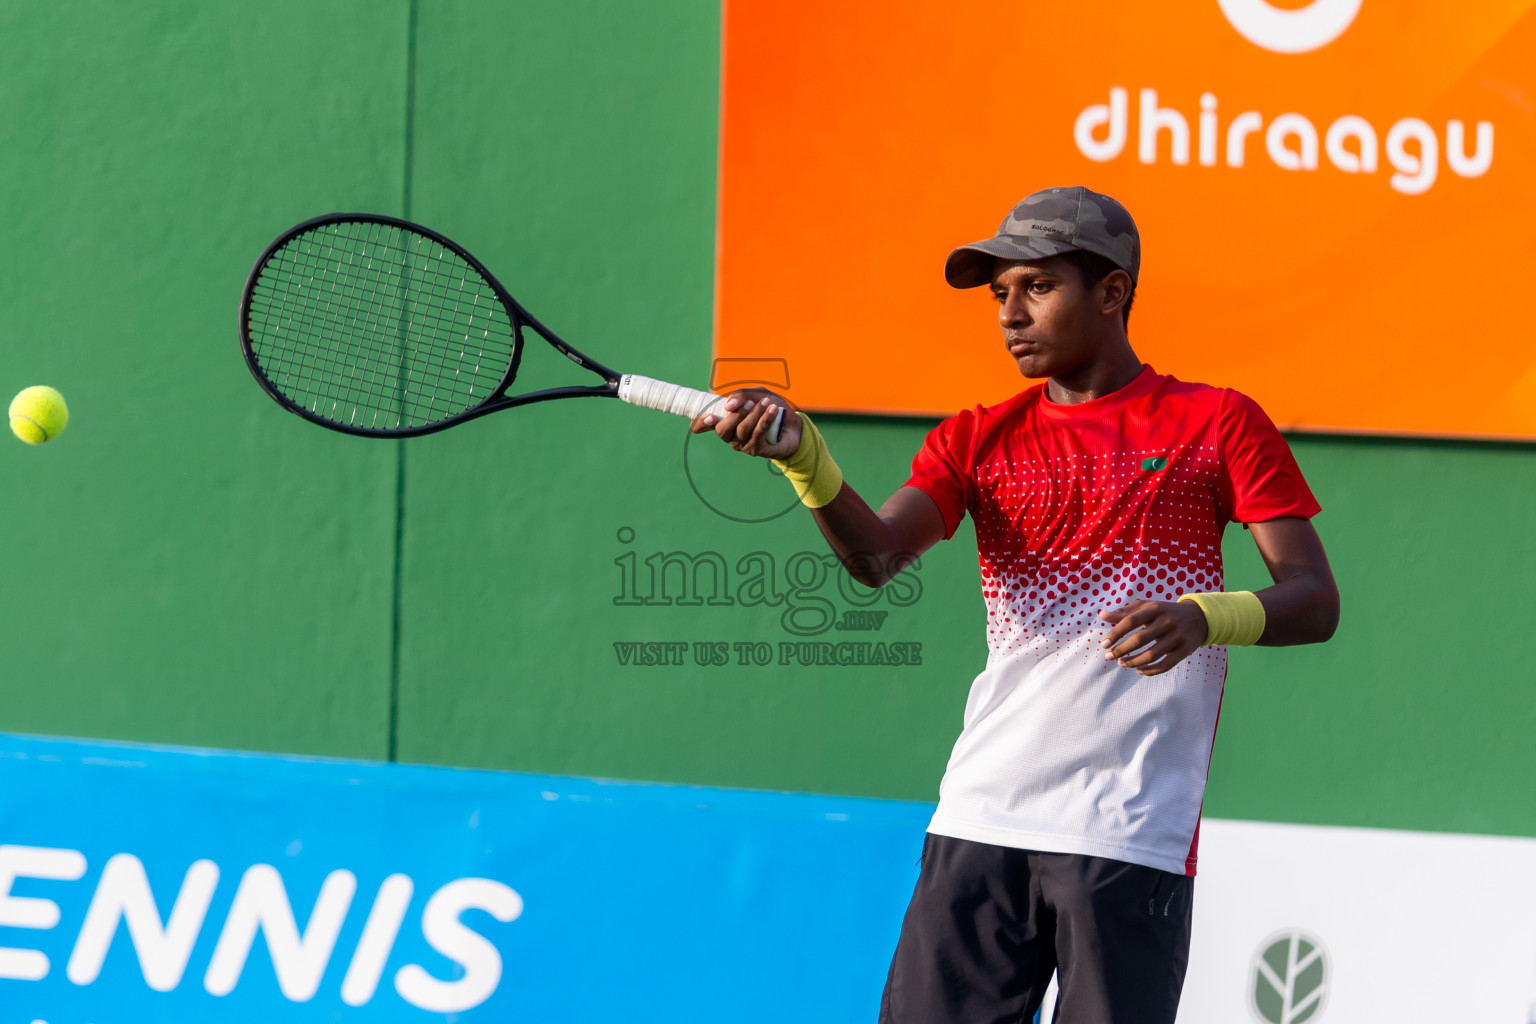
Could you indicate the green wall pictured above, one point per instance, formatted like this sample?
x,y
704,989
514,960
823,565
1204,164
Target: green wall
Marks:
x,y
190,565
183,565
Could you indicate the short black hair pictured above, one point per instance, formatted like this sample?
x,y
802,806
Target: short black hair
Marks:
x,y
1093,268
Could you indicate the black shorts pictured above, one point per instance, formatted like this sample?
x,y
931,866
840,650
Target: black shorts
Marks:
x,y
988,925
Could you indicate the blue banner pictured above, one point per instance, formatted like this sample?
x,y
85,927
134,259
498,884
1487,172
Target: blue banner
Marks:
x,y
145,884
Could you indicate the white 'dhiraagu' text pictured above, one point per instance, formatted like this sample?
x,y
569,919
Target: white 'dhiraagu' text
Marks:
x,y
1410,146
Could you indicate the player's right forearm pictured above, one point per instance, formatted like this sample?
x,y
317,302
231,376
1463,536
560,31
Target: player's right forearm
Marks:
x,y
875,546
858,537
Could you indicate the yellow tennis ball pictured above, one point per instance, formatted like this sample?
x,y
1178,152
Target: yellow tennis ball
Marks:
x,y
38,414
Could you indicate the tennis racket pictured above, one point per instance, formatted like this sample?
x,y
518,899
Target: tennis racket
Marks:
x,y
375,326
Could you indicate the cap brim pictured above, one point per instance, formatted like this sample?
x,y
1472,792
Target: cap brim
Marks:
x,y
970,266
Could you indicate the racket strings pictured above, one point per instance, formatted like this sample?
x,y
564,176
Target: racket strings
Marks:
x,y
429,314
349,383
375,326
379,310
332,324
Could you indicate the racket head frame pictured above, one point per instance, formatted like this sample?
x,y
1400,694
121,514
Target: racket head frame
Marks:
x,y
495,400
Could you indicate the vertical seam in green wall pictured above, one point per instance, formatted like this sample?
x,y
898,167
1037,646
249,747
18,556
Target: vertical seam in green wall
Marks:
x,y
413,10
394,623
397,595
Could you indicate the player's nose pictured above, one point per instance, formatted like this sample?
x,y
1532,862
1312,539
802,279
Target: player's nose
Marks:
x,y
1013,313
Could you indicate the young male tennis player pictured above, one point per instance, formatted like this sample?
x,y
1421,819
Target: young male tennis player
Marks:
x,y
1069,815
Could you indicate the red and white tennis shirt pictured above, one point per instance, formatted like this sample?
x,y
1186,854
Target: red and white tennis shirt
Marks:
x,y
1078,509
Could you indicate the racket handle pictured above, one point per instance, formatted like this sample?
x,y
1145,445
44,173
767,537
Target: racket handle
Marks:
x,y
649,393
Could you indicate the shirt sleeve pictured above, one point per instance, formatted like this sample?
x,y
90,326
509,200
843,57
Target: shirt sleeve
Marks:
x,y
1265,482
941,469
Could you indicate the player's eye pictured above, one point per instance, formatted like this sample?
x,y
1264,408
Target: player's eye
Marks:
x,y
1040,287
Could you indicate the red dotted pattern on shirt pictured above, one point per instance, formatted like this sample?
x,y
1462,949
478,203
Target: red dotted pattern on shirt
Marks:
x,y
1061,540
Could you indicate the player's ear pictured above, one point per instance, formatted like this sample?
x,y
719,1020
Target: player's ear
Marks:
x,y
1114,291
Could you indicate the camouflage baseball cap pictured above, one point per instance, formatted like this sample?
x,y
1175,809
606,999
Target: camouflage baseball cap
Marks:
x,y
1052,221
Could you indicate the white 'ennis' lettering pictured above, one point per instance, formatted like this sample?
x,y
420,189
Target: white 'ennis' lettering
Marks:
x,y
1291,140
260,904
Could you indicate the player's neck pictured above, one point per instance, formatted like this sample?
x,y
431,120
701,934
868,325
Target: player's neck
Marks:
x,y
1111,371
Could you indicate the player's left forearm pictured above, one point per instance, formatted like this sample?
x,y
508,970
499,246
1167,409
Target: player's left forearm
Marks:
x,y
1302,607
1301,610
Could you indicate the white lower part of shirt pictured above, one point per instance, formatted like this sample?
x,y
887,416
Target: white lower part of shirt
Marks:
x,y
1070,753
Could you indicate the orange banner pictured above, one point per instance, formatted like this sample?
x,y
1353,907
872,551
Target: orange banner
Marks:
x,y
1336,199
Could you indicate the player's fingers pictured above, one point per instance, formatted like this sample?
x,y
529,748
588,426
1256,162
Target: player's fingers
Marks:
x,y
725,427
1135,641
755,426
724,417
752,423
1122,626
1160,648
730,415
789,433
1175,655
758,443
1135,615
740,399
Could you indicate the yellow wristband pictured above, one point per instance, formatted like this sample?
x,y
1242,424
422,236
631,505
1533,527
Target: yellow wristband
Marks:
x,y
1234,619
811,469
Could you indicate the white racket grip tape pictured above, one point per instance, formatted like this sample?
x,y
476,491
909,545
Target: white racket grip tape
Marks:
x,y
650,393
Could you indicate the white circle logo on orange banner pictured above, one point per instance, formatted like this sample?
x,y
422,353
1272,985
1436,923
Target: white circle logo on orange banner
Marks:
x,y
1290,31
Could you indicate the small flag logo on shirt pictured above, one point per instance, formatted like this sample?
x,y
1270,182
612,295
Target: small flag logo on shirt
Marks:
x,y
1154,463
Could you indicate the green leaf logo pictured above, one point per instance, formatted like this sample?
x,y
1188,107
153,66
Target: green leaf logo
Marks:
x,y
1154,463
1290,978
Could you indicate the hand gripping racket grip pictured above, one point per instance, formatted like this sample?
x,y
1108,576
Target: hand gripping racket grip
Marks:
x,y
650,393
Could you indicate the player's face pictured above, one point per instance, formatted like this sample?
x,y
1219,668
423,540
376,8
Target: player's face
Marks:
x,y
1050,322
